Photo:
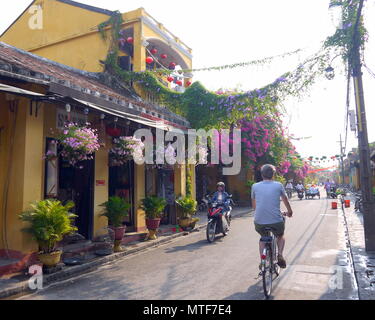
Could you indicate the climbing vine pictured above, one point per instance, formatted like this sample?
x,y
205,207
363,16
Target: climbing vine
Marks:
x,y
206,109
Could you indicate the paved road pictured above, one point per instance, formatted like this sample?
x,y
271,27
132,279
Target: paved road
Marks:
x,y
190,268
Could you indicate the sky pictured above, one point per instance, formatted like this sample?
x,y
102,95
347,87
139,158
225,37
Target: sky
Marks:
x,y
226,32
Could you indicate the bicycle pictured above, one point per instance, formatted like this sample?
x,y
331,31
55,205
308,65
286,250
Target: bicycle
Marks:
x,y
270,269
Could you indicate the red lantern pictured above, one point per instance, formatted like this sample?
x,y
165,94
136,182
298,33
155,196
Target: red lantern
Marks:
x,y
170,79
130,40
179,82
163,56
154,51
149,60
113,132
188,83
172,66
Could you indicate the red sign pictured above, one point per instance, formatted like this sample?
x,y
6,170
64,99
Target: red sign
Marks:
x,y
100,183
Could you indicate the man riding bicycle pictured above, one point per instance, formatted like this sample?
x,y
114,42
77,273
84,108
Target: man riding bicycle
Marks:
x,y
266,202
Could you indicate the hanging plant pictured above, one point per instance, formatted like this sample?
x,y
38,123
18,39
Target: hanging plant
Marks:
x,y
77,143
125,149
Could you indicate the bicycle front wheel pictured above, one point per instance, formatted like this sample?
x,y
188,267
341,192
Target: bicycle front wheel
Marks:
x,y
267,274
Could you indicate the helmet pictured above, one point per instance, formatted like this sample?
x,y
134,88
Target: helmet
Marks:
x,y
220,184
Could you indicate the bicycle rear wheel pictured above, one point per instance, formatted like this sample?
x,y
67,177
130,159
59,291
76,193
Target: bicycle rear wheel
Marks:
x,y
267,274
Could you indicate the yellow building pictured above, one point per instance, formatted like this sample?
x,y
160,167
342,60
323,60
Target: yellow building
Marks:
x,y
50,72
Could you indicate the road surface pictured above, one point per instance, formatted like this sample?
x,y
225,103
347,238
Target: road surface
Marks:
x,y
191,268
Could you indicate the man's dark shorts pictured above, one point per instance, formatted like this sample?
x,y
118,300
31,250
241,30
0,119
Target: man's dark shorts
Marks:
x,y
277,228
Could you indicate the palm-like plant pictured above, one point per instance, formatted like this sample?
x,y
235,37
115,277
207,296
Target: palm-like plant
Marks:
x,y
153,206
50,221
116,209
188,206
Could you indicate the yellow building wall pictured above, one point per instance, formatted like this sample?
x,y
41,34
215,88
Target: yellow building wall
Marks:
x,y
69,36
60,22
25,168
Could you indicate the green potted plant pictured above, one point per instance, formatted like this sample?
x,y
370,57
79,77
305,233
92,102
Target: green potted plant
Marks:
x,y
116,209
153,207
50,221
188,209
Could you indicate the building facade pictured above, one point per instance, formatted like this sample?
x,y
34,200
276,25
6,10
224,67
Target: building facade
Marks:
x,y
54,74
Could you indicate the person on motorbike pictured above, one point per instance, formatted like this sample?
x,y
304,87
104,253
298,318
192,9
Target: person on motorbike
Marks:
x,y
289,189
266,202
222,197
299,187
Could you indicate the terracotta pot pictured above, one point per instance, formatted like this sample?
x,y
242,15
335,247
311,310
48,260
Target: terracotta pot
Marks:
x,y
153,224
119,232
50,259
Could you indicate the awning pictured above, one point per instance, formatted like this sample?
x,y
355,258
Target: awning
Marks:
x,y
132,117
18,91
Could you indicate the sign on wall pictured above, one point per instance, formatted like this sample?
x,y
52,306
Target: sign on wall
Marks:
x,y
62,118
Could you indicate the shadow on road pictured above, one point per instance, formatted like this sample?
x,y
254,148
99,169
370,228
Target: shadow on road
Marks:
x,y
254,292
193,247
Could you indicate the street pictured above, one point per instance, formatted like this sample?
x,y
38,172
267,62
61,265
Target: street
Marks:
x,y
191,268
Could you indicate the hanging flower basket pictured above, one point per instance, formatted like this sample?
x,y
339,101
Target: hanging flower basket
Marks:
x,y
76,144
125,149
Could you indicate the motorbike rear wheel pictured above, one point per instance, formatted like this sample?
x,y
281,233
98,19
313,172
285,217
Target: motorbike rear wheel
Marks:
x,y
211,231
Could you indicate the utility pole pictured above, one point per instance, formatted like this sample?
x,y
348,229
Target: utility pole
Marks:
x,y
363,145
342,162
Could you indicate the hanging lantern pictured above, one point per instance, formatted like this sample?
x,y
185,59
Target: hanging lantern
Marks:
x,y
179,82
149,60
130,40
172,66
170,79
163,56
329,73
188,83
154,51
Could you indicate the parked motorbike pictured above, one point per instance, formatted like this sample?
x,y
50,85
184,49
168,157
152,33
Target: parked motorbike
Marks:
x,y
203,206
332,193
218,219
358,205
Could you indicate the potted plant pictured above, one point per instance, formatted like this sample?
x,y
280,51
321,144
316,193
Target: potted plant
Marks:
x,y
116,209
188,209
153,207
50,221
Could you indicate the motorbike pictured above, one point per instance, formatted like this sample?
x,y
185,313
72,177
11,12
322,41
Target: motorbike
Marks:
x,y
289,192
204,203
300,194
219,219
358,206
332,193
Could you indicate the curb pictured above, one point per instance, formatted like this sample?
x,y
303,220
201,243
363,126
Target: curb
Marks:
x,y
73,271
